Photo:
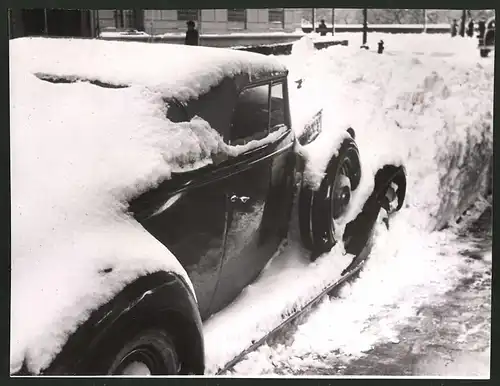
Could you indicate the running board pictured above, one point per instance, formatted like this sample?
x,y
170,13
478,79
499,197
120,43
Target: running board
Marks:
x,y
330,288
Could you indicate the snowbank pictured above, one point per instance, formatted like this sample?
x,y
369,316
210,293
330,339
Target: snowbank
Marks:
x,y
426,103
408,269
174,70
79,153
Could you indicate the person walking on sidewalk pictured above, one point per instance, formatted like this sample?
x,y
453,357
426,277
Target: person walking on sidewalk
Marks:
x,y
192,35
454,28
470,28
322,28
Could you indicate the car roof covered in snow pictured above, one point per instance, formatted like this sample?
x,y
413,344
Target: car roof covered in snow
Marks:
x,y
174,70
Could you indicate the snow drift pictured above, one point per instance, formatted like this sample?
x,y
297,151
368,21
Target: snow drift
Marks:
x,y
430,110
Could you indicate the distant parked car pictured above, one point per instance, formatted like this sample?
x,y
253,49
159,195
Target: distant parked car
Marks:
x,y
223,221
487,42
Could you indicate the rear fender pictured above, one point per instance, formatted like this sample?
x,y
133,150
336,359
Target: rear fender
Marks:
x,y
384,177
161,299
358,232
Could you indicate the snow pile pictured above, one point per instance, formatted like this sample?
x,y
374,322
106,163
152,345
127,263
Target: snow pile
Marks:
x,y
303,47
433,113
430,110
174,70
398,279
409,267
80,152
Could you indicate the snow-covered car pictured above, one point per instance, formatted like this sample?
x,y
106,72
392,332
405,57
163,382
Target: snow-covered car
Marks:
x,y
150,185
487,42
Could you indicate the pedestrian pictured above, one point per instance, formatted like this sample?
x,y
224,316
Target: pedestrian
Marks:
x,y
380,47
481,28
461,31
192,36
470,28
322,28
454,28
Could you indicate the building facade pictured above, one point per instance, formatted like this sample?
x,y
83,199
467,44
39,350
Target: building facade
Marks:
x,y
208,21
90,23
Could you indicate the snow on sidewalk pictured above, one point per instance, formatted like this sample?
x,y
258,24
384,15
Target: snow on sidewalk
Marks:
x,y
419,307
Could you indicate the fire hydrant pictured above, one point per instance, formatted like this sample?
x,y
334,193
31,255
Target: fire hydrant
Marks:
x,y
380,47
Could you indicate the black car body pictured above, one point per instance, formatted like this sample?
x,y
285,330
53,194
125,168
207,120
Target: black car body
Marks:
x,y
223,222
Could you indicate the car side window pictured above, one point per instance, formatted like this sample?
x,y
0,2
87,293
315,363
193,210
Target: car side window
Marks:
x,y
215,106
176,111
277,116
250,119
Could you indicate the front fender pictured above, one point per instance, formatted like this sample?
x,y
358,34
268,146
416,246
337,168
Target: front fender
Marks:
x,y
162,299
316,156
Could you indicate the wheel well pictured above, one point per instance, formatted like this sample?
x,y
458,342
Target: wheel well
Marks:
x,y
182,330
159,300
184,334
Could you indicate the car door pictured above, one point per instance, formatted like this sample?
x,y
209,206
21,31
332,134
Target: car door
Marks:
x,y
258,192
191,223
188,214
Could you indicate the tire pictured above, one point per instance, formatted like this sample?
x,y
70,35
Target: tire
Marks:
x,y
317,209
152,349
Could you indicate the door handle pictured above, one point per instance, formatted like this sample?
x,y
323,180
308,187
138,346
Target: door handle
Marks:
x,y
242,199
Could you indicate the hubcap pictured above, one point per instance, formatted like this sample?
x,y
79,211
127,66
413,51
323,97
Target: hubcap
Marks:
x,y
136,368
391,198
341,194
140,362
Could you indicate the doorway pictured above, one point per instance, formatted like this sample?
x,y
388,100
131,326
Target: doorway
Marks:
x,y
56,22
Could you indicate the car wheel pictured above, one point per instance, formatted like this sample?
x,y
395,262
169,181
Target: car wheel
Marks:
x,y
150,352
318,210
484,53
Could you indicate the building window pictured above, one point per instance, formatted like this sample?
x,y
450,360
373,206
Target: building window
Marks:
x,y
238,15
277,15
129,18
119,19
125,18
187,14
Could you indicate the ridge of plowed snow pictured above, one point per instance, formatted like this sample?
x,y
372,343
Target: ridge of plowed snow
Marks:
x,y
427,103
